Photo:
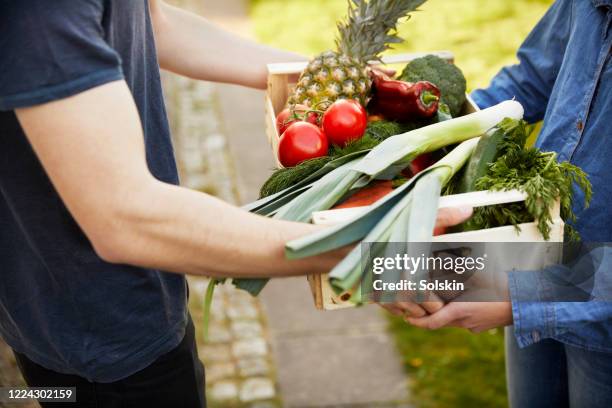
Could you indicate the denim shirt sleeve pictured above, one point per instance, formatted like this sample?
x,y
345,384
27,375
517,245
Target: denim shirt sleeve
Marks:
x,y
540,56
570,304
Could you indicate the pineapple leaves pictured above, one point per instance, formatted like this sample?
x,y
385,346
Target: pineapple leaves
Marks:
x,y
371,25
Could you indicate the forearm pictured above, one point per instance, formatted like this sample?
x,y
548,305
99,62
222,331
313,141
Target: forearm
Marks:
x,y
190,232
98,166
192,46
179,230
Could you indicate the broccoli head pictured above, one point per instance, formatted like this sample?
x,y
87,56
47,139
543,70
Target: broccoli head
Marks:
x,y
446,76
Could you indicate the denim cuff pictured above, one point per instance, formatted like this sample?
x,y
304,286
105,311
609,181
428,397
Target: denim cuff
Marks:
x,y
534,320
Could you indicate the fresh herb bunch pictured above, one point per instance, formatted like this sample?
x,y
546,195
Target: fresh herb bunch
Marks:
x,y
537,173
285,178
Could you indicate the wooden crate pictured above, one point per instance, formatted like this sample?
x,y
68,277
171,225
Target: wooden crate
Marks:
x,y
325,297
280,85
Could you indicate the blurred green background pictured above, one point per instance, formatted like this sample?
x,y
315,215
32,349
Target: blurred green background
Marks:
x,y
449,368
483,34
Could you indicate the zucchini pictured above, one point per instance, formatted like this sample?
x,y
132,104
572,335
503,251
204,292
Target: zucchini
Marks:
x,y
487,151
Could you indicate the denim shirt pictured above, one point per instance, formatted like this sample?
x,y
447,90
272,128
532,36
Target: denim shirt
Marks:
x,y
564,77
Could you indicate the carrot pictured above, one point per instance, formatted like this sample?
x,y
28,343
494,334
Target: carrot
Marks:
x,y
368,195
372,193
439,231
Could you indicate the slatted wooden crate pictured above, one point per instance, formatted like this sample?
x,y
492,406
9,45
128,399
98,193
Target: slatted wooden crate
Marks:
x,y
280,84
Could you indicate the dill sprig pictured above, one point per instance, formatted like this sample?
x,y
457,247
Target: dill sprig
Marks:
x,y
285,178
538,174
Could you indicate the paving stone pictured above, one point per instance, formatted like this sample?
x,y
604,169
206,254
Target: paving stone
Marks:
x,y
211,353
218,333
243,300
188,143
217,312
198,286
220,371
224,391
198,182
255,389
255,347
250,367
242,311
236,294
246,329
192,161
215,142
208,117
265,404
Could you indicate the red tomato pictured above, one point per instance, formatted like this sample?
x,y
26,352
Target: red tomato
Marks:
x,y
421,163
283,121
301,141
286,119
345,120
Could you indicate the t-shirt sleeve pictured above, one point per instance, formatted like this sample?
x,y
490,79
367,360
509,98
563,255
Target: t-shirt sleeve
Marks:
x,y
51,50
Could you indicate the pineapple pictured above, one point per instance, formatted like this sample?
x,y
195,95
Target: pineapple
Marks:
x,y
343,74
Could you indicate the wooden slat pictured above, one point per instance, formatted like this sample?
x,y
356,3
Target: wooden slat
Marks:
x,y
278,91
475,199
286,68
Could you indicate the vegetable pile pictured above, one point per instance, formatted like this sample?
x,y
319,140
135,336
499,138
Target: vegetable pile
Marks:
x,y
347,127
352,136
397,215
406,214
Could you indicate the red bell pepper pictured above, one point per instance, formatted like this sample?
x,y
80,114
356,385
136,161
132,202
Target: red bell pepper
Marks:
x,y
403,101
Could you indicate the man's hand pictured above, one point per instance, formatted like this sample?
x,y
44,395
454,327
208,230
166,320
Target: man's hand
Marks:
x,y
447,217
474,316
382,69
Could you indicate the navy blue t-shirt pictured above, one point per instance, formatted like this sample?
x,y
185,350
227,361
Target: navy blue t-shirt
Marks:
x,y
60,304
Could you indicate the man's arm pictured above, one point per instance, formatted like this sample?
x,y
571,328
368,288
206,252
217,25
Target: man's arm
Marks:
x,y
99,169
190,45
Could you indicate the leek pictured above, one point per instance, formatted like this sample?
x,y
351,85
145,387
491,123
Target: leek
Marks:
x,y
263,205
325,188
419,208
393,155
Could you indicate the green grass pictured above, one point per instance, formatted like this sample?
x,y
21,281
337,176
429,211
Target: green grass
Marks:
x,y
452,367
449,368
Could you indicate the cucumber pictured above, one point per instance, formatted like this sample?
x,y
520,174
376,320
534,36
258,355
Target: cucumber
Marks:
x,y
487,151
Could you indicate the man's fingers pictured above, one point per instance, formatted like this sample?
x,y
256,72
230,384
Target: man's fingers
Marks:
x,y
412,309
387,71
404,309
392,308
444,317
449,217
433,304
